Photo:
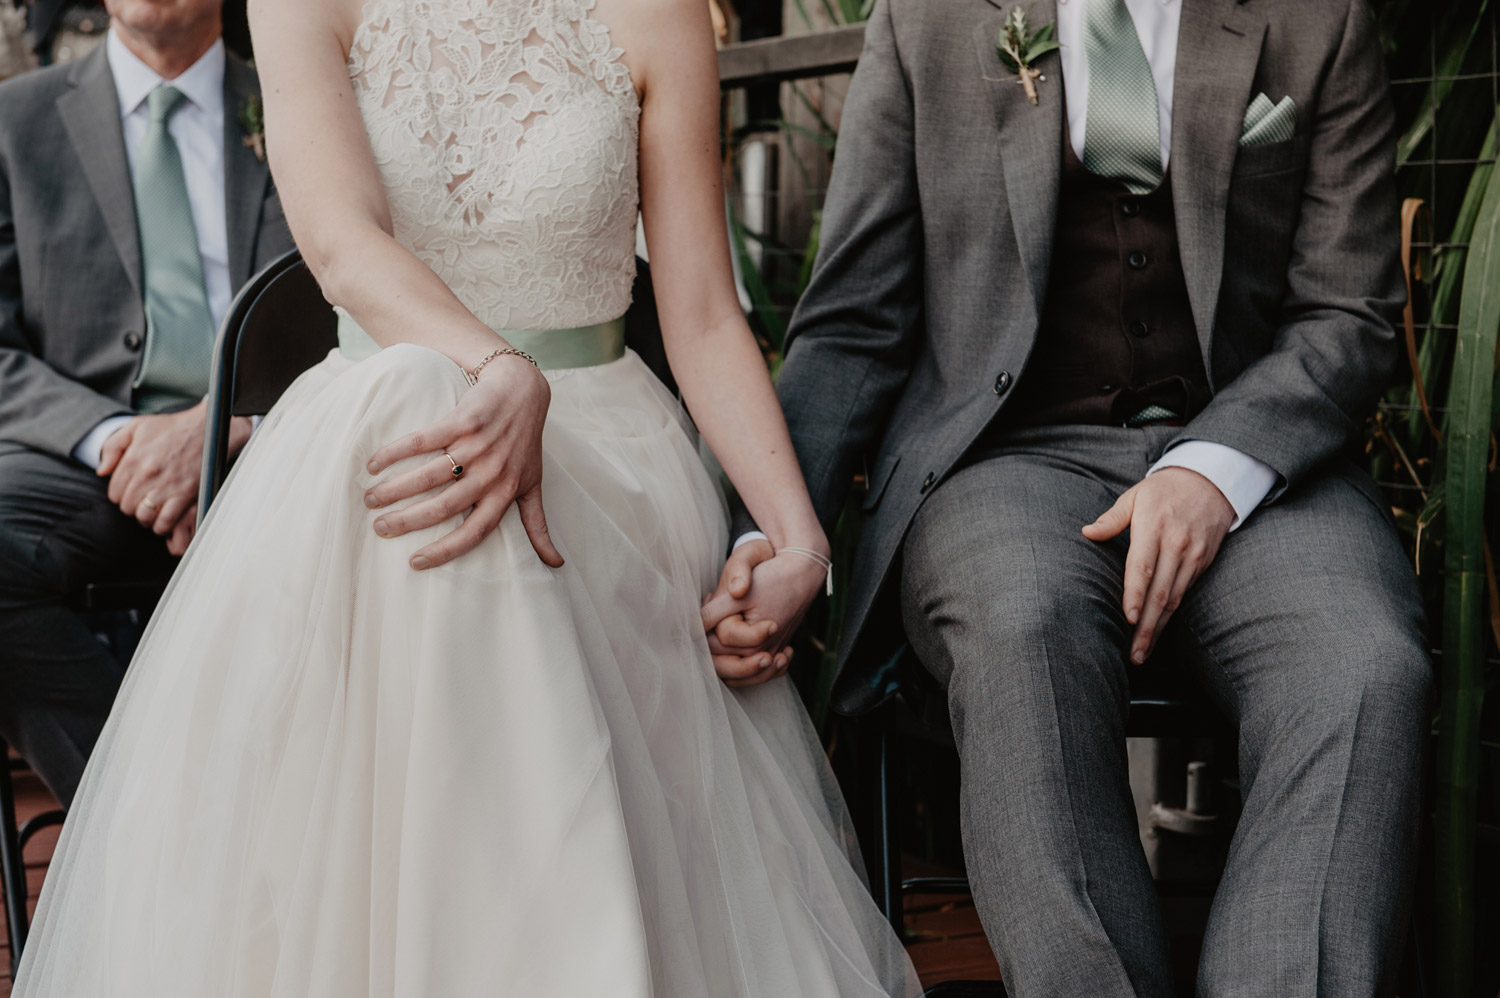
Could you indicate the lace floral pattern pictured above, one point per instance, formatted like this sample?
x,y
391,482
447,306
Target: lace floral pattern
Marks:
x,y
505,132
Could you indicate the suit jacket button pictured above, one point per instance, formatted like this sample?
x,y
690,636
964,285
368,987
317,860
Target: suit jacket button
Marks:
x,y
1002,382
928,483
132,341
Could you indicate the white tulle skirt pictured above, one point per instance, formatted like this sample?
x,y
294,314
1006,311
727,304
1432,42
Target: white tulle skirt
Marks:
x,y
330,776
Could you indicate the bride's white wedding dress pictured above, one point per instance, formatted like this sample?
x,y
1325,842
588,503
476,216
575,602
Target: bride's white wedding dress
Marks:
x,y
330,776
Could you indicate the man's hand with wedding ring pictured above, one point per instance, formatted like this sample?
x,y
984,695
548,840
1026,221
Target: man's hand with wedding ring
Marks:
x,y
153,464
487,454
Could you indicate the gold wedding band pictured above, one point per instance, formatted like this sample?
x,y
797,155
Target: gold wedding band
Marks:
x,y
458,469
149,503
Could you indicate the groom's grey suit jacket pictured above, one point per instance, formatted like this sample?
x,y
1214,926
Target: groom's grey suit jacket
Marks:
x,y
937,238
72,312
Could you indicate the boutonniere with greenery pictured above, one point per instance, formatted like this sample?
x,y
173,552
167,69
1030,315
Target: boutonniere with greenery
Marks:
x,y
1020,47
253,121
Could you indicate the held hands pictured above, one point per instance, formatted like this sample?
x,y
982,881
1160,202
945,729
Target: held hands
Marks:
x,y
153,464
1177,520
495,435
752,616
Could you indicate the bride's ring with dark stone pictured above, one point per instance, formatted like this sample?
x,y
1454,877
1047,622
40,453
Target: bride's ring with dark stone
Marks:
x,y
458,469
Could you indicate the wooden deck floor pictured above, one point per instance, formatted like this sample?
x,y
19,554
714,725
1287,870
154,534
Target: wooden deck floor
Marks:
x,y
947,942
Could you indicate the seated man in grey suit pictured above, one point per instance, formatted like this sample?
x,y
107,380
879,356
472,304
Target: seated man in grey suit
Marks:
x,y
131,207
1106,355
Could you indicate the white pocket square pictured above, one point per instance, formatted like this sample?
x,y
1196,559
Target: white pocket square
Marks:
x,y
1266,122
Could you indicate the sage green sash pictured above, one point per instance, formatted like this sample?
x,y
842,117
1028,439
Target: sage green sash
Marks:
x,y
553,349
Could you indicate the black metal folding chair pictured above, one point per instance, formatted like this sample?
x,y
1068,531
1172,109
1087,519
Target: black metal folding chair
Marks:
x,y
278,326
12,861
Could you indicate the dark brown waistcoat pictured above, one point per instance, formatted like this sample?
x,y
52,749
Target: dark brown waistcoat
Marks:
x,y
1116,332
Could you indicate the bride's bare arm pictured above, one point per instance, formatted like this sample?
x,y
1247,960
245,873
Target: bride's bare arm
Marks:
x,y
712,352
714,356
326,176
328,184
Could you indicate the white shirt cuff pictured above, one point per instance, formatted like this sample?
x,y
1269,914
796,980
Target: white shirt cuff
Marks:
x,y
1244,481
746,538
90,450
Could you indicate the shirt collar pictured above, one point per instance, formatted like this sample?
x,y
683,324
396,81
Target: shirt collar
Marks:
x,y
202,82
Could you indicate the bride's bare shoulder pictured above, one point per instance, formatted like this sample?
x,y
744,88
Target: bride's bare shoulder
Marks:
x,y
654,33
273,18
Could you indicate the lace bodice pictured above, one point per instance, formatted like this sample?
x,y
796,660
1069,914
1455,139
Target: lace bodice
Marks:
x,y
505,132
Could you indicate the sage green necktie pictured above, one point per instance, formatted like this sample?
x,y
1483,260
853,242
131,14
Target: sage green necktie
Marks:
x,y
1122,137
179,325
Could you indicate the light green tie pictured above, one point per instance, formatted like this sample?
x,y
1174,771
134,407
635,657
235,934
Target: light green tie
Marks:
x,y
179,325
1122,137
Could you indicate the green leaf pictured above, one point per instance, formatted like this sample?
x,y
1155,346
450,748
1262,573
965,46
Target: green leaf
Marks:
x,y
1467,443
814,110
762,305
1448,270
801,6
826,140
1033,54
810,253
1433,508
1042,34
1448,66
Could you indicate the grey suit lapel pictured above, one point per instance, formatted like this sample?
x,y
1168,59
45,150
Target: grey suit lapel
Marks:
x,y
90,113
1029,142
1218,49
245,176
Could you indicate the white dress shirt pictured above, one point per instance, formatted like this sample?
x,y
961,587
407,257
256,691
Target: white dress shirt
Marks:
x,y
198,130
1242,479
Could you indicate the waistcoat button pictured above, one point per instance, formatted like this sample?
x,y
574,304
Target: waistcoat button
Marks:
x,y
928,483
1138,260
1139,329
132,341
1130,207
1002,382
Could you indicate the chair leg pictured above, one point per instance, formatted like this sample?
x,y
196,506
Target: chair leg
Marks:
x,y
892,900
12,866
47,819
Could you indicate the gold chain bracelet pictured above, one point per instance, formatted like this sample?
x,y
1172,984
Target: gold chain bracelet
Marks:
x,y
473,374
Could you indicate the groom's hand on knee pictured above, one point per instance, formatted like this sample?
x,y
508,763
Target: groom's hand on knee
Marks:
x,y
1177,519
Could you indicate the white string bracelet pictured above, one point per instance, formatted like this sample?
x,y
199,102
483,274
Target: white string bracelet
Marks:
x,y
813,556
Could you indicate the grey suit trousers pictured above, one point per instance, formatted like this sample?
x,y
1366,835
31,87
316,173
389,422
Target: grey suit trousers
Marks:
x,y
58,532
1307,627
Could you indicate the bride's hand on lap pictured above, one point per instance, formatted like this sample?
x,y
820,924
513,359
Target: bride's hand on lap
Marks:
x,y
753,615
495,435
